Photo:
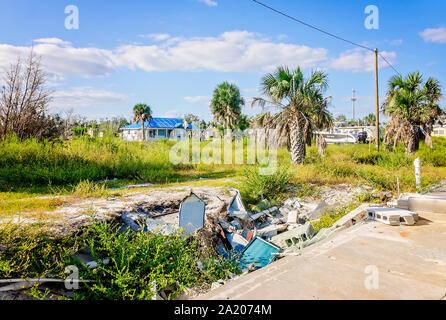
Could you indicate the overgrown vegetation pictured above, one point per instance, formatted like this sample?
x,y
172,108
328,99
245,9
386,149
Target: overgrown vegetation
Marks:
x,y
88,166
137,261
257,187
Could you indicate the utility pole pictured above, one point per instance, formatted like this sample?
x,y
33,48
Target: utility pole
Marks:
x,y
353,99
377,99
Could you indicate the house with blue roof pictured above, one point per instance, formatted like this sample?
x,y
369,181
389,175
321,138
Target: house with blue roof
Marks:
x,y
159,128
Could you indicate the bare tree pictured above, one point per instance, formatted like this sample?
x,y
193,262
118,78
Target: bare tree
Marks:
x,y
24,100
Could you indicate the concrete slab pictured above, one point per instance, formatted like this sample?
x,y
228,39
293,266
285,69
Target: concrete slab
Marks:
x,y
411,264
428,204
432,202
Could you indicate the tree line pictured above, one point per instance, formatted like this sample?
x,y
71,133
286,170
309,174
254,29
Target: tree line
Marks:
x,y
297,107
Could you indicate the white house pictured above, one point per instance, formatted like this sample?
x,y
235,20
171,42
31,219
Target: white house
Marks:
x,y
159,128
439,131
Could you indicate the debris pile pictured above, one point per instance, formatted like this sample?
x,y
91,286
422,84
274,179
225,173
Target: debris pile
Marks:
x,y
226,227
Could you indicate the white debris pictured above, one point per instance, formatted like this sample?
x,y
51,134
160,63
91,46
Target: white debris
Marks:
x,y
293,216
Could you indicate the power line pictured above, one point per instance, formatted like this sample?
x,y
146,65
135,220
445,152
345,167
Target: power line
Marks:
x,y
323,31
389,64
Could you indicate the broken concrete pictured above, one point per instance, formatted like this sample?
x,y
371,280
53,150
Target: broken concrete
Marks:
x,y
77,213
270,231
318,211
295,236
391,216
292,217
158,225
410,261
353,217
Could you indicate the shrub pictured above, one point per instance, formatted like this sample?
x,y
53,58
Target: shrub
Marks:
x,y
137,261
257,187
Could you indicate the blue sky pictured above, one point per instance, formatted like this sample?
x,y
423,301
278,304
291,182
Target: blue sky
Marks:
x,y
172,54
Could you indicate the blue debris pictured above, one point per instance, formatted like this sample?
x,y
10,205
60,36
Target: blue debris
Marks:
x,y
258,252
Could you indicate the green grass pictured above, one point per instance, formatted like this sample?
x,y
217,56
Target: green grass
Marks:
x,y
85,167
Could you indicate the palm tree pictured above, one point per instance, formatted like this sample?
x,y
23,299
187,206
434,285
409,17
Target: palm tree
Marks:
x,y
302,106
413,107
370,119
141,113
226,104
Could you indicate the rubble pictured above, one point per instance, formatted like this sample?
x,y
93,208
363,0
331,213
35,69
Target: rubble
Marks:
x,y
132,220
318,211
270,231
293,203
295,236
219,221
293,217
319,236
351,218
392,216
236,208
156,225
237,242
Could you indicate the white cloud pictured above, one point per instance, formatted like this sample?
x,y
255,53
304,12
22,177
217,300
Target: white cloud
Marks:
x,y
61,59
235,51
81,97
359,60
156,36
437,35
198,99
55,41
209,3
